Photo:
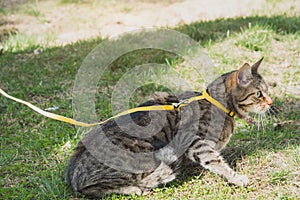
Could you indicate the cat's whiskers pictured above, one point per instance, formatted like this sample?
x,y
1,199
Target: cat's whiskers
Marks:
x,y
273,113
270,113
256,116
267,117
260,120
263,120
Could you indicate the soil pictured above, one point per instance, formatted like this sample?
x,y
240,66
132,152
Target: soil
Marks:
x,y
71,22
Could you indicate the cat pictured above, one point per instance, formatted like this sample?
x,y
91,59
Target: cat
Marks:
x,y
196,132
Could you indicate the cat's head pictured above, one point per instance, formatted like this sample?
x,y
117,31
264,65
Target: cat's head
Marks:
x,y
249,90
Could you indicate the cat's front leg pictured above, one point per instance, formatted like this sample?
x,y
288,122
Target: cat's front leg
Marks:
x,y
201,152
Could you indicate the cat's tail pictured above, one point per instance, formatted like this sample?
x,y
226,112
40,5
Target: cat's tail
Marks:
x,y
69,172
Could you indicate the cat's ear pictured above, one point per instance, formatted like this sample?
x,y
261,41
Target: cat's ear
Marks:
x,y
255,66
244,75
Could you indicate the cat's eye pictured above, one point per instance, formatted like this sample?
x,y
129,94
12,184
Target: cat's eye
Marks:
x,y
258,94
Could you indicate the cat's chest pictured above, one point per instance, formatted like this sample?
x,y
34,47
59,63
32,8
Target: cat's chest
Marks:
x,y
225,134
216,126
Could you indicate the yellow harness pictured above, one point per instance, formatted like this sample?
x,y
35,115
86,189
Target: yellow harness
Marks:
x,y
173,106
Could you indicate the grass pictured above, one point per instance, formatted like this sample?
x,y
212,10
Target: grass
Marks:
x,y
33,150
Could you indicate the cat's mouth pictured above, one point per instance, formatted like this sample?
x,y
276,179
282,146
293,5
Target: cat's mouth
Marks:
x,y
261,109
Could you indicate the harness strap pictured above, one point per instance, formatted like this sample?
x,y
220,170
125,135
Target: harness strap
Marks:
x,y
218,104
174,106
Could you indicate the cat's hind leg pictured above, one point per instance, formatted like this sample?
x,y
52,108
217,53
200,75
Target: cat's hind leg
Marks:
x,y
161,175
127,190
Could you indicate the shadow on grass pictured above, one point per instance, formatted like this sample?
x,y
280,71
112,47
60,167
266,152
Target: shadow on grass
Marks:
x,y
218,29
47,77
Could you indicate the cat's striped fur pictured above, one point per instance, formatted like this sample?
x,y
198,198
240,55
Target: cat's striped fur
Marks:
x,y
198,132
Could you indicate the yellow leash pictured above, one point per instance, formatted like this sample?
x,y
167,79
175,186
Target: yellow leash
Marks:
x,y
174,106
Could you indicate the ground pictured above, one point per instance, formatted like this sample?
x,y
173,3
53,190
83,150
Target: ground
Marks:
x,y
43,44
70,22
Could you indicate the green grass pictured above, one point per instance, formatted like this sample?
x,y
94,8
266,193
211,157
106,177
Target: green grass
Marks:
x,y
32,148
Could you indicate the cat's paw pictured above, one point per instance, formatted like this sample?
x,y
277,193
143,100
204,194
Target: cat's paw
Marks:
x,y
240,180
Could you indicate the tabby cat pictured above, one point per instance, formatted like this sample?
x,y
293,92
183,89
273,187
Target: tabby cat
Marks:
x,y
196,132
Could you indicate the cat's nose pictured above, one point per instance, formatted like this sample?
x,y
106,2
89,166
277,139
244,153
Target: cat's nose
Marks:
x,y
268,100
